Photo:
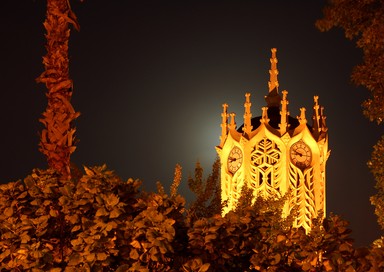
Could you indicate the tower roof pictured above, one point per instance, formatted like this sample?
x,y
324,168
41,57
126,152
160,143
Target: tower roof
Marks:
x,y
276,113
274,101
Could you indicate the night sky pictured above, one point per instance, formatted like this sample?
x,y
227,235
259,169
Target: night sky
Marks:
x,y
150,79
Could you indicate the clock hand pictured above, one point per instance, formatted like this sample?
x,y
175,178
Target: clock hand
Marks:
x,y
301,154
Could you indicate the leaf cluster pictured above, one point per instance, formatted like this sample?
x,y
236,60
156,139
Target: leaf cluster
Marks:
x,y
376,166
248,242
49,224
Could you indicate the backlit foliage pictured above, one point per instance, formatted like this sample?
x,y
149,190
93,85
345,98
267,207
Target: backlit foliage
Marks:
x,y
156,233
207,192
102,223
176,180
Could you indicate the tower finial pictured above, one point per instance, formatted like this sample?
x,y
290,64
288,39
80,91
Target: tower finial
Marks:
x,y
323,117
273,83
224,124
273,98
284,113
232,124
316,116
264,115
247,114
302,119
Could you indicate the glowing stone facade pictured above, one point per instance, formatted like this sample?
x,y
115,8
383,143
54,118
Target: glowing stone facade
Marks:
x,y
275,154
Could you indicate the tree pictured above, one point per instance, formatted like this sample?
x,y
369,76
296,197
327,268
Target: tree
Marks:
x,y
49,223
57,141
363,22
376,165
208,193
100,223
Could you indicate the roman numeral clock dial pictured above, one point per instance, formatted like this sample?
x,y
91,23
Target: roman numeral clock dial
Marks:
x,y
235,159
301,155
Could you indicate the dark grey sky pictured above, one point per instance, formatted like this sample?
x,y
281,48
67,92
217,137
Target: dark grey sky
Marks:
x,y
150,78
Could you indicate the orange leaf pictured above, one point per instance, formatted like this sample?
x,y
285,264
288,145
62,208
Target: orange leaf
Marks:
x,y
61,85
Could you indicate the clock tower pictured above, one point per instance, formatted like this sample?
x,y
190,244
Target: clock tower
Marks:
x,y
275,154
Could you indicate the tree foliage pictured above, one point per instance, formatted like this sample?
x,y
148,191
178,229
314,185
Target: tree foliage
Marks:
x,y
102,223
363,22
207,192
49,223
376,165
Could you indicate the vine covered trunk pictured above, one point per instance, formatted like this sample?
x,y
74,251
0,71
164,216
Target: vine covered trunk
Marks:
x,y
57,138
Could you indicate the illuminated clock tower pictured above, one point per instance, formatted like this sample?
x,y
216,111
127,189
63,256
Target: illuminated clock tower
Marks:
x,y
275,154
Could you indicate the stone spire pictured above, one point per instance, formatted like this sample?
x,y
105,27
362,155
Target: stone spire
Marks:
x,y
224,124
273,83
284,113
324,127
273,98
247,115
232,124
302,119
316,117
264,115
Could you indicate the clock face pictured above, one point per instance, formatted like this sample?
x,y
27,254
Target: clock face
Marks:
x,y
300,154
235,159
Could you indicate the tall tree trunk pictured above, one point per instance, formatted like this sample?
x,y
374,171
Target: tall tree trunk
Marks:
x,y
57,138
